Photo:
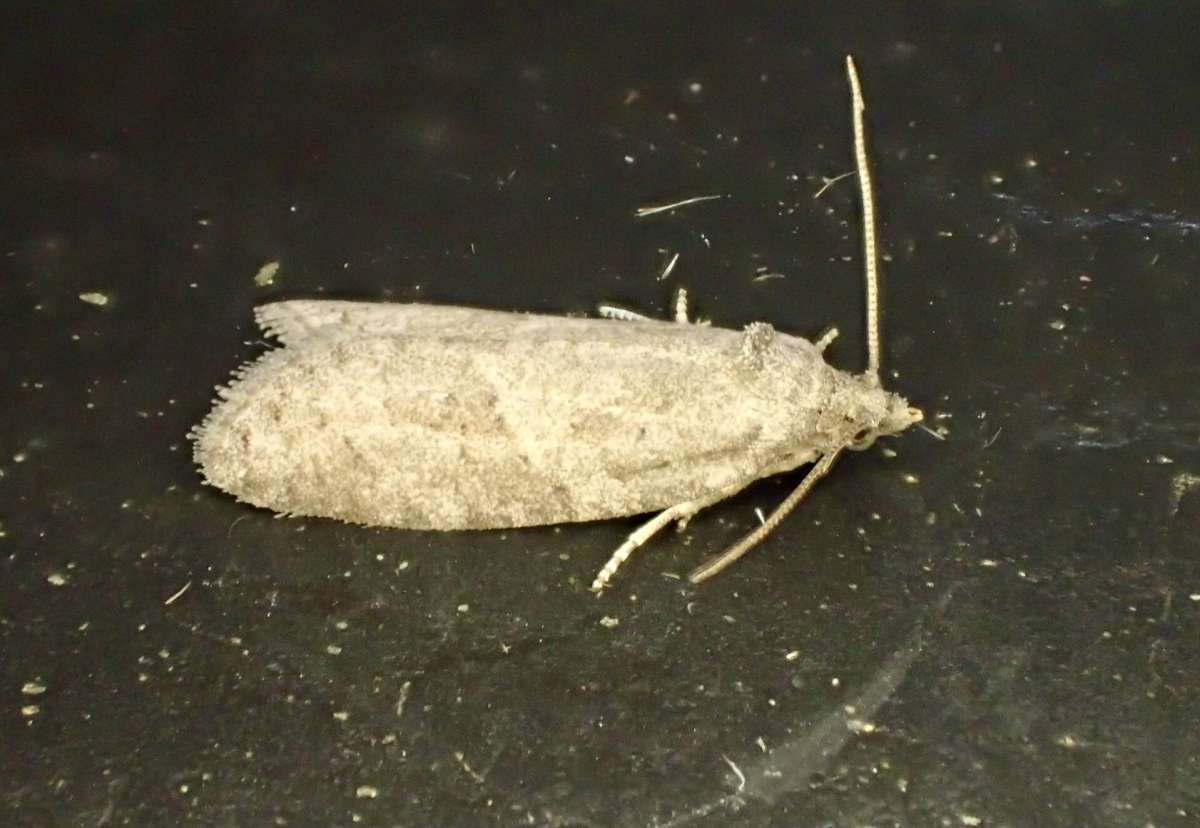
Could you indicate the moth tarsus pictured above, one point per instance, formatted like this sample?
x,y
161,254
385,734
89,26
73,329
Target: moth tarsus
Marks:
x,y
447,418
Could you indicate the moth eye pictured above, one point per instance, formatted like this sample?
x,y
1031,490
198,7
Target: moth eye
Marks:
x,y
862,440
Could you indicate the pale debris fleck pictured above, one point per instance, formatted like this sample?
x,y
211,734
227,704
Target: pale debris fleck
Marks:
x,y
793,655
1181,484
266,274
737,771
609,621
859,726
30,710
95,297
56,579
33,688
404,688
670,266
366,792
341,715
829,182
177,594
642,212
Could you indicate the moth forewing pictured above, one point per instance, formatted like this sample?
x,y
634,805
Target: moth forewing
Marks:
x,y
554,420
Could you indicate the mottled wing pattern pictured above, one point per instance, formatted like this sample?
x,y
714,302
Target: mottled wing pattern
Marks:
x,y
473,432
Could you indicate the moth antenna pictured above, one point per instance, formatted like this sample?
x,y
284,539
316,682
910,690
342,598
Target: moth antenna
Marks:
x,y
870,250
714,565
871,265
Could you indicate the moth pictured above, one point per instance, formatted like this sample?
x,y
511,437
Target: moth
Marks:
x,y
433,417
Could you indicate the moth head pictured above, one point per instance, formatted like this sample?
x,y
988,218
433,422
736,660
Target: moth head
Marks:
x,y
880,414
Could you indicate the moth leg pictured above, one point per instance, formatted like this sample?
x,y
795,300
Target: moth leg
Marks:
x,y
830,334
681,314
681,310
715,564
626,315
682,512
613,312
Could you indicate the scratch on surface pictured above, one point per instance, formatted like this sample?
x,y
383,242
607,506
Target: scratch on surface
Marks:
x,y
790,766
1142,219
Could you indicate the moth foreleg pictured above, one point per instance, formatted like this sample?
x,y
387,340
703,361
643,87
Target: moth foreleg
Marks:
x,y
826,338
681,314
626,315
682,512
622,314
715,564
681,310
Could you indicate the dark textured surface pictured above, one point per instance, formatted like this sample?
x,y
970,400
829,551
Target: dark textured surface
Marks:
x,y
1016,632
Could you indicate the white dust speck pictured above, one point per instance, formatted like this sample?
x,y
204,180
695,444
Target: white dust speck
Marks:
x,y
95,297
32,688
366,792
609,621
266,274
859,726
56,579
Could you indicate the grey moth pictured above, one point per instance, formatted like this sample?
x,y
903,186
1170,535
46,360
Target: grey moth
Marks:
x,y
419,416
